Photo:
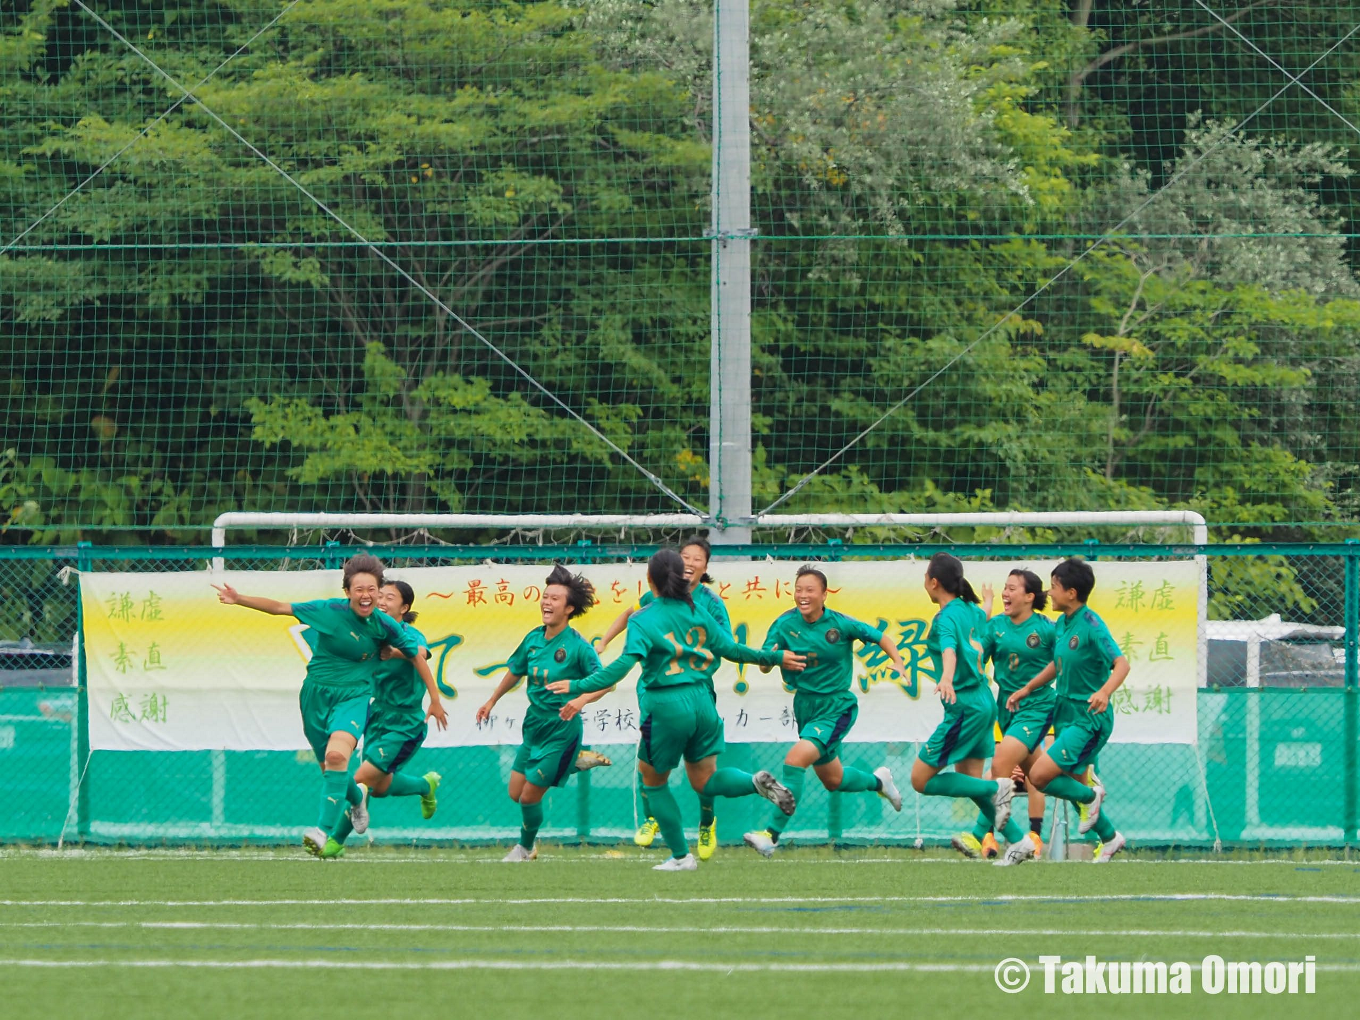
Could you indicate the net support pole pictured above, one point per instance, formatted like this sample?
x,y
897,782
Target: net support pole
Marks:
x,y
1352,693
729,444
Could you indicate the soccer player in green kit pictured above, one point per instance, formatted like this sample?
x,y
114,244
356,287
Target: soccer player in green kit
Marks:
x,y
695,553
964,738
349,635
552,731
824,706
1089,667
396,723
1020,644
679,647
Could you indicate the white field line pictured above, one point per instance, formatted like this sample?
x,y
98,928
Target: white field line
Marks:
x,y
575,965
323,928
981,900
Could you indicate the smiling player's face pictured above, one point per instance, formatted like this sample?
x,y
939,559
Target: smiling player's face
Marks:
x,y
363,594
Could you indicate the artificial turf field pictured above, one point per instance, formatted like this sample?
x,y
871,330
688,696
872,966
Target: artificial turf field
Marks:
x,y
595,933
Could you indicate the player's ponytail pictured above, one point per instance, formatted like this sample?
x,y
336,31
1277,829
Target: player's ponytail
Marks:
x,y
948,571
1033,586
666,571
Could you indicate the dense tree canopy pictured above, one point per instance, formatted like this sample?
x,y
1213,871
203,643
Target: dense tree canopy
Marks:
x,y
191,330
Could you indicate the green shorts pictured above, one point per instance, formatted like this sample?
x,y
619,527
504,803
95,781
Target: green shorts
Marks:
x,y
1031,722
824,720
965,731
548,751
389,742
1081,735
327,710
679,722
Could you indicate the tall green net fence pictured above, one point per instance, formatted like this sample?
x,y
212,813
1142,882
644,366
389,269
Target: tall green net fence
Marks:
x,y
1254,744
445,255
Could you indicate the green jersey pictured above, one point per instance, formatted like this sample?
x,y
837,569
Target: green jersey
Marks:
x,y
568,656
1018,653
829,645
1084,652
397,687
703,599
676,645
960,626
345,646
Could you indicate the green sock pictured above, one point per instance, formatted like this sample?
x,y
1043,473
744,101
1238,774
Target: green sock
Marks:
x,y
793,777
956,784
705,809
667,814
1105,829
1011,832
982,826
1070,789
408,786
646,806
533,821
332,798
353,794
343,828
729,782
857,781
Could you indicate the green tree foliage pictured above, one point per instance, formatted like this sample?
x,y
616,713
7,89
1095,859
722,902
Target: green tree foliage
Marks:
x,y
192,332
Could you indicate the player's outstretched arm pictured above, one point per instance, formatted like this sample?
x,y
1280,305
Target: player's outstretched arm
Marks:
x,y
229,596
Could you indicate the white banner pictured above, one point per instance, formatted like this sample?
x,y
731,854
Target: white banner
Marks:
x,y
169,668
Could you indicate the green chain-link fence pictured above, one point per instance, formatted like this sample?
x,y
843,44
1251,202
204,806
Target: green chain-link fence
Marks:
x,y
1274,762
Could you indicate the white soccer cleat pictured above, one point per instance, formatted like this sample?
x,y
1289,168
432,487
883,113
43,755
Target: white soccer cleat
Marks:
x,y
1005,790
1109,848
761,842
686,863
518,853
774,791
314,841
889,792
1092,811
588,759
358,813
1017,853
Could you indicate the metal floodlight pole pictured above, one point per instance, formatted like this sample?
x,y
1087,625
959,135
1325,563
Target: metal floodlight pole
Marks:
x,y
729,444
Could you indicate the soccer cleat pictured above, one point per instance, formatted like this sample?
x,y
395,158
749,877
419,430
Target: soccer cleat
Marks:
x,y
332,850
708,840
646,833
358,813
1092,811
889,792
761,842
587,759
1017,853
775,792
1038,845
967,844
1108,849
990,847
1005,790
1090,780
686,863
314,841
518,853
428,801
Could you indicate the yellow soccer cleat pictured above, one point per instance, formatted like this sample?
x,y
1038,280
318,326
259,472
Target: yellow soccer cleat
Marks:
x,y
1038,846
990,849
646,833
967,844
708,840
428,801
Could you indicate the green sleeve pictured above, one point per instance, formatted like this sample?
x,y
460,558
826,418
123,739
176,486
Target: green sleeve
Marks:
x,y
1105,640
1048,638
606,676
519,658
310,612
723,644
719,610
772,636
399,637
861,631
587,659
949,633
